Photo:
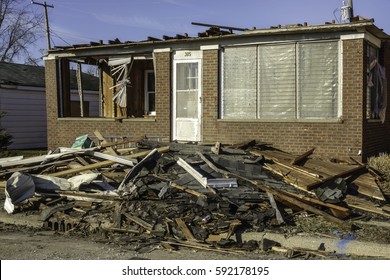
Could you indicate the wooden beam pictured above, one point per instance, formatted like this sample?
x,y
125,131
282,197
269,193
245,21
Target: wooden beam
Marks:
x,y
343,174
108,92
187,190
278,195
302,156
104,163
104,141
139,222
186,231
80,88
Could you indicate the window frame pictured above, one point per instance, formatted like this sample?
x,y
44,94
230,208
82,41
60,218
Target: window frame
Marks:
x,y
148,92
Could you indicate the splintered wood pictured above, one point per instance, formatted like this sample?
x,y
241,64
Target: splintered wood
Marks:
x,y
183,195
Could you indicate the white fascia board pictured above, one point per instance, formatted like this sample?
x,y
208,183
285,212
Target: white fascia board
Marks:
x,y
209,47
162,50
366,36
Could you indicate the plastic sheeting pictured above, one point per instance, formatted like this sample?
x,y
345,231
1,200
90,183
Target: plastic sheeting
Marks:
x,y
318,80
239,83
284,81
277,81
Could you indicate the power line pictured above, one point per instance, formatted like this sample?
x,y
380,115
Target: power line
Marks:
x,y
59,37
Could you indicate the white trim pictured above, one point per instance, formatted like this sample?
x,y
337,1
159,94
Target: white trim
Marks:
x,y
341,79
162,50
369,37
146,94
209,47
188,55
182,57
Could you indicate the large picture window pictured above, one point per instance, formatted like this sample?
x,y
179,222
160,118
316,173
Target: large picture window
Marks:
x,y
284,81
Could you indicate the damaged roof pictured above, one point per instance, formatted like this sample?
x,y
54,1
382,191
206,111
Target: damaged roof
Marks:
x,y
217,32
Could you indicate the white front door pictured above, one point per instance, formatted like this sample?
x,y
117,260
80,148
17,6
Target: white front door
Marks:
x,y
187,96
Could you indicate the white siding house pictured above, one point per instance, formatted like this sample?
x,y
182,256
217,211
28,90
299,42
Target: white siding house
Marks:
x,y
23,99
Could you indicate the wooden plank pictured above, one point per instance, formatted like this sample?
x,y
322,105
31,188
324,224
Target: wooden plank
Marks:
x,y
186,231
109,149
104,163
280,196
124,230
80,88
187,167
200,246
117,215
117,159
343,174
283,162
302,156
108,93
362,204
339,211
202,180
187,190
8,159
139,222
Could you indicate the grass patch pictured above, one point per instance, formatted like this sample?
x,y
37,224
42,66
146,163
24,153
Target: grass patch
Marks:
x,y
382,164
25,153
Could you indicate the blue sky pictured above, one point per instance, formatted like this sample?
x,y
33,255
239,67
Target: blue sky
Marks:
x,y
82,21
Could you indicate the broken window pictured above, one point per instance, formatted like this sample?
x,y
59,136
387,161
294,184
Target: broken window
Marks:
x,y
124,87
79,89
376,85
284,81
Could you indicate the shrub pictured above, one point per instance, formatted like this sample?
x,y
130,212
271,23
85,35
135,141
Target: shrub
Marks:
x,y
5,137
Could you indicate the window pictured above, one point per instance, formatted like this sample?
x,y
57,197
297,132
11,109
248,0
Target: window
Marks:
x,y
150,95
284,81
111,87
376,85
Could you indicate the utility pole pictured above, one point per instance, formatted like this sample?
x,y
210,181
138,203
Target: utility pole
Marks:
x,y
45,5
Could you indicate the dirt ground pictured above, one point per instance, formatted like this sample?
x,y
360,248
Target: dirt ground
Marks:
x,y
19,243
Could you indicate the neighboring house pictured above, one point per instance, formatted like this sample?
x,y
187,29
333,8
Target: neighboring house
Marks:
x,y
22,97
295,87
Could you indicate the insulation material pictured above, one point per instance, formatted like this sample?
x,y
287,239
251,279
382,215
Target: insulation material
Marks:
x,y
120,70
276,66
318,80
239,83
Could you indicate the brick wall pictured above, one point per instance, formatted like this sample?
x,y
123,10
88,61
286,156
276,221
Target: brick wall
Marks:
x,y
330,139
338,139
62,132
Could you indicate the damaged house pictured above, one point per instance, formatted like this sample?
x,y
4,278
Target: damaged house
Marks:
x,y
295,87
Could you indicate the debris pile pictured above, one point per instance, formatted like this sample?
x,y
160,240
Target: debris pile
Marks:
x,y
153,194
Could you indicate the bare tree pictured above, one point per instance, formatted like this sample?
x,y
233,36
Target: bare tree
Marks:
x,y
20,29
